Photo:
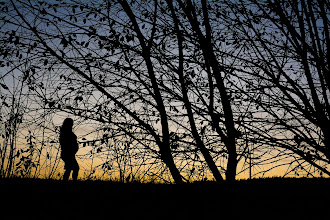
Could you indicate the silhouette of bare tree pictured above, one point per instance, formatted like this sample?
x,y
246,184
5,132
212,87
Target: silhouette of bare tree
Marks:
x,y
173,90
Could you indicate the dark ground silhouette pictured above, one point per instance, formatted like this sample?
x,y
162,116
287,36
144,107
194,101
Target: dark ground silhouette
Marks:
x,y
260,199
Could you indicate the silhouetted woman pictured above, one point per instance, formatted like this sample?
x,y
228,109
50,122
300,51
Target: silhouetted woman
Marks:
x,y
69,148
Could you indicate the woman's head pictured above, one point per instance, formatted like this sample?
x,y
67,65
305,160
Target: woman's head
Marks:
x,y
67,124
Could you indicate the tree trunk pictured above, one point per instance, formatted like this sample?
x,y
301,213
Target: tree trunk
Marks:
x,y
206,46
232,163
165,149
200,145
167,158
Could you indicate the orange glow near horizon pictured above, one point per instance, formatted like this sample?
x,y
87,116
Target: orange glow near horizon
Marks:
x,y
54,166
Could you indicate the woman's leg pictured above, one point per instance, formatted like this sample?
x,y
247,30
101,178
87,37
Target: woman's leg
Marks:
x,y
75,170
66,175
68,168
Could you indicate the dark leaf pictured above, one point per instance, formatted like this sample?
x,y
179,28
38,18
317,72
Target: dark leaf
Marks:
x,y
43,12
16,40
78,98
64,42
4,86
51,104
